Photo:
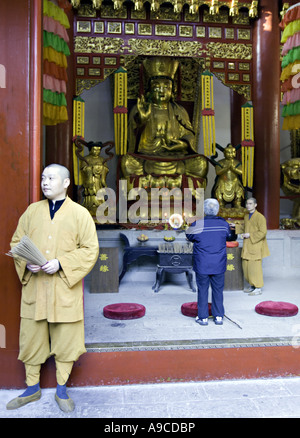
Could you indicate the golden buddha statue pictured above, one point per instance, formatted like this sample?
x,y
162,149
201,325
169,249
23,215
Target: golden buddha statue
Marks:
x,y
161,141
290,184
228,187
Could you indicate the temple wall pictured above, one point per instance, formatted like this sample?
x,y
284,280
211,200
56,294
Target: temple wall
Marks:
x,y
99,127
99,121
283,261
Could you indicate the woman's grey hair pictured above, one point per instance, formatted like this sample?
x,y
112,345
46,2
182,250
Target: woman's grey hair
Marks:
x,y
211,207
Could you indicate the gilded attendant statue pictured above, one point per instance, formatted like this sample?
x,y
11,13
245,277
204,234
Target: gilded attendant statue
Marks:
x,y
94,171
228,187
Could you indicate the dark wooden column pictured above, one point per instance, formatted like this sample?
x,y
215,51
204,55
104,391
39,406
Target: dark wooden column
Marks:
x,y
266,97
58,138
236,102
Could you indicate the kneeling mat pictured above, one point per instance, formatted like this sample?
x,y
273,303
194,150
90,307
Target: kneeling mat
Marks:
x,y
276,308
124,311
191,309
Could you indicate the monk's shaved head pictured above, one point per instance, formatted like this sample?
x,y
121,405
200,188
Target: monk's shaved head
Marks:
x,y
62,170
55,182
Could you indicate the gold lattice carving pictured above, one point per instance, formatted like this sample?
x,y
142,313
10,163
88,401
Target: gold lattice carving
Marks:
x,y
166,48
98,45
230,50
85,84
244,90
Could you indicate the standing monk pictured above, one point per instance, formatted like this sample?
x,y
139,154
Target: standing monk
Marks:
x,y
52,295
255,246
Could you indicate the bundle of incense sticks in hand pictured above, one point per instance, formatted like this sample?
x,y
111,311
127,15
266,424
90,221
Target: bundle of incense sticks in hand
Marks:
x,y
27,250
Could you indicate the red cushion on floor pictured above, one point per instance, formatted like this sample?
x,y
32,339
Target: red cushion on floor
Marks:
x,y
124,311
276,308
232,244
191,309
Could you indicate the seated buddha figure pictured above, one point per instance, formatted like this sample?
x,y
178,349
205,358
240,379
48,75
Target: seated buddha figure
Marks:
x,y
161,141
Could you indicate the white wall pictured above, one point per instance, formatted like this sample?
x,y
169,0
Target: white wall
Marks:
x,y
222,121
99,121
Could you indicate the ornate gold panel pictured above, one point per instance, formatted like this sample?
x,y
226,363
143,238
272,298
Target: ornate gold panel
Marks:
x,y
144,29
186,31
244,34
114,27
82,60
99,27
165,30
84,26
215,32
129,28
200,31
94,71
229,33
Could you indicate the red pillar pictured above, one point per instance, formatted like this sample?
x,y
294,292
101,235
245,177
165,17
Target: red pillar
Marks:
x,y
266,98
36,141
20,146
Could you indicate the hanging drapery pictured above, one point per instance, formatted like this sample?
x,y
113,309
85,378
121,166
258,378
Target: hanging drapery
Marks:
x,y
78,131
290,75
247,144
208,114
55,52
120,111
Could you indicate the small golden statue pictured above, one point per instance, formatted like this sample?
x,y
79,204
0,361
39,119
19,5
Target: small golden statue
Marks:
x,y
290,184
228,187
94,170
161,141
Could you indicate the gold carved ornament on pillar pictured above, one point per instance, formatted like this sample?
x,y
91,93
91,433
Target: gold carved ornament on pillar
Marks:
x,y
247,144
234,10
208,114
78,131
253,11
214,6
120,111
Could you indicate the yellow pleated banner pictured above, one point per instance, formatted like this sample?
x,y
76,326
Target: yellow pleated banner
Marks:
x,y
78,131
208,114
120,111
247,144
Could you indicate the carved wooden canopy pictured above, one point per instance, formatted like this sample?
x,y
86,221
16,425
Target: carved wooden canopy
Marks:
x,y
107,37
214,6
